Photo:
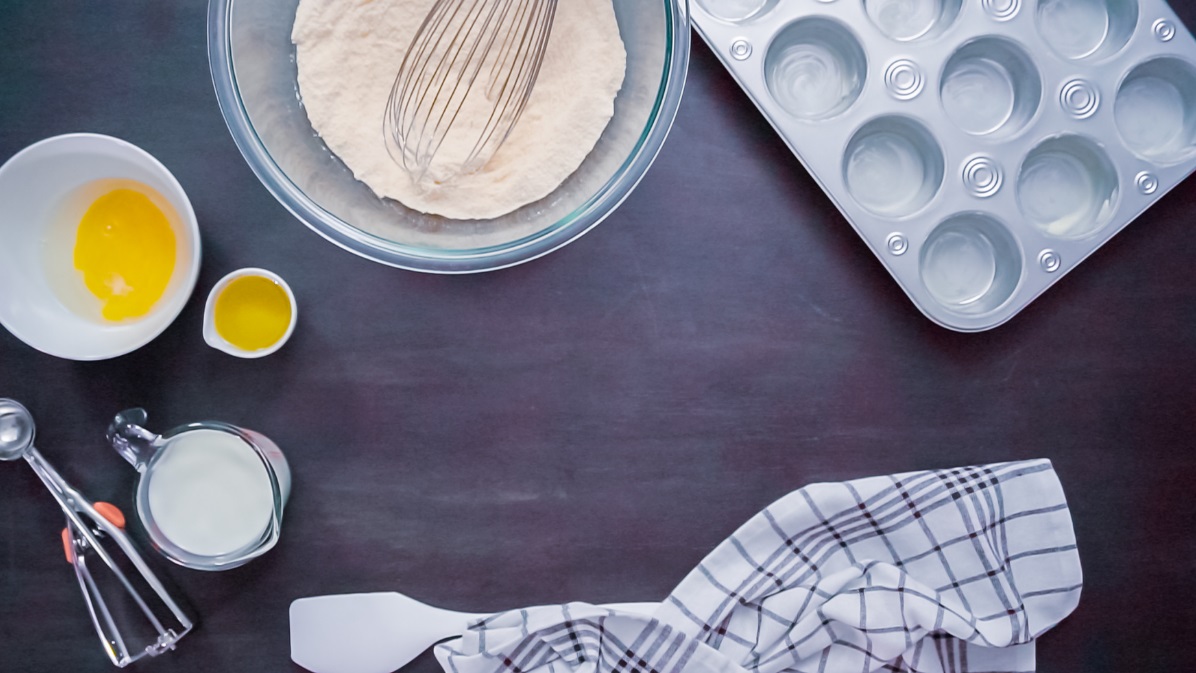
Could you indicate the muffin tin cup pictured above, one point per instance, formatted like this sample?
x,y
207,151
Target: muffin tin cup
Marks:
x,y
1090,30
1067,187
909,20
893,166
1155,110
981,149
736,11
970,264
815,69
990,87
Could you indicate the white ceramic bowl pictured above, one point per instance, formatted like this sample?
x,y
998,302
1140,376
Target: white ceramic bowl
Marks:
x,y
36,190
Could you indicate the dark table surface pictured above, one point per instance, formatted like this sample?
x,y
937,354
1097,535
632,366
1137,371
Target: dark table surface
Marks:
x,y
589,425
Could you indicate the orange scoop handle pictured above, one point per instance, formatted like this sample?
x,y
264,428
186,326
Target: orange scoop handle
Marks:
x,y
105,509
112,513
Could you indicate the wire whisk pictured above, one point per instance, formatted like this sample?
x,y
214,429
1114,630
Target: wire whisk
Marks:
x,y
464,83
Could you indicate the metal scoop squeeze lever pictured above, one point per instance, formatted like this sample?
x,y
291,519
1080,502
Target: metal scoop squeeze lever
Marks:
x,y
87,524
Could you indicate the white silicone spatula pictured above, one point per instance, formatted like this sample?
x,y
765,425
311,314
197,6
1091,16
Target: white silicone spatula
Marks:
x,y
377,632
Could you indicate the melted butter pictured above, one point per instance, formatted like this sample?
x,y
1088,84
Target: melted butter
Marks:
x,y
125,250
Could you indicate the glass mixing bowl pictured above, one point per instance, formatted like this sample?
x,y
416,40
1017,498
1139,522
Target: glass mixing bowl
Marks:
x,y
253,69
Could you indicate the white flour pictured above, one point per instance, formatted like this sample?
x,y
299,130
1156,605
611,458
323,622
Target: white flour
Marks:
x,y
348,54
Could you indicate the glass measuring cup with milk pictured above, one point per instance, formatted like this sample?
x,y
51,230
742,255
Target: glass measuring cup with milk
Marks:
x,y
211,495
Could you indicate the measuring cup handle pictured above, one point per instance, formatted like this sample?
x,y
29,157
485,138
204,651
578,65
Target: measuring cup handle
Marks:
x,y
132,441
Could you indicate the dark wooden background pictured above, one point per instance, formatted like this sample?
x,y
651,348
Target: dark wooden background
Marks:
x,y
589,425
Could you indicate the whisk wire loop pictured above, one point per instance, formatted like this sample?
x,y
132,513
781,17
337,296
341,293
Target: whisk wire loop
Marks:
x,y
464,83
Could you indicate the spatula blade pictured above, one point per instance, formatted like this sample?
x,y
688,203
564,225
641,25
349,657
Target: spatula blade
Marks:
x,y
366,633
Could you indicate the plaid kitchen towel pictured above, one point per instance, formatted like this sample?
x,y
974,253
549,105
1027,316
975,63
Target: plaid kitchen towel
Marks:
x,y
943,571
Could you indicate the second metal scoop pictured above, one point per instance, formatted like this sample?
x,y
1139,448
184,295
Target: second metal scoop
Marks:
x,y
86,526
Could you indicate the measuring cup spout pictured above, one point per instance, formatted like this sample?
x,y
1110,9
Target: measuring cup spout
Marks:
x,y
132,441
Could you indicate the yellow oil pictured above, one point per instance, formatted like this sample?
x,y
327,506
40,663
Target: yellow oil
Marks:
x,y
125,251
252,313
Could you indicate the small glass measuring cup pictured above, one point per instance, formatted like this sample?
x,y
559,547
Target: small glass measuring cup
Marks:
x,y
203,488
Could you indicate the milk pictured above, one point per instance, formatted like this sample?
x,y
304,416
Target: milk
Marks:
x,y
209,493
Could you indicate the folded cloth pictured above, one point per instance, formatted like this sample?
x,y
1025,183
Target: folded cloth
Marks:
x,y
943,571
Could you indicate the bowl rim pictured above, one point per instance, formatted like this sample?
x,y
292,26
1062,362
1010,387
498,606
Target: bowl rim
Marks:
x,y
447,261
172,309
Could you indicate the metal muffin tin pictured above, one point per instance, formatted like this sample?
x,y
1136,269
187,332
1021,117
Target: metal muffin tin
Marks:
x,y
982,148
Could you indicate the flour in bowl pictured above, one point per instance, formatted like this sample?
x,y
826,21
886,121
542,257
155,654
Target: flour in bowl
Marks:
x,y
348,54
